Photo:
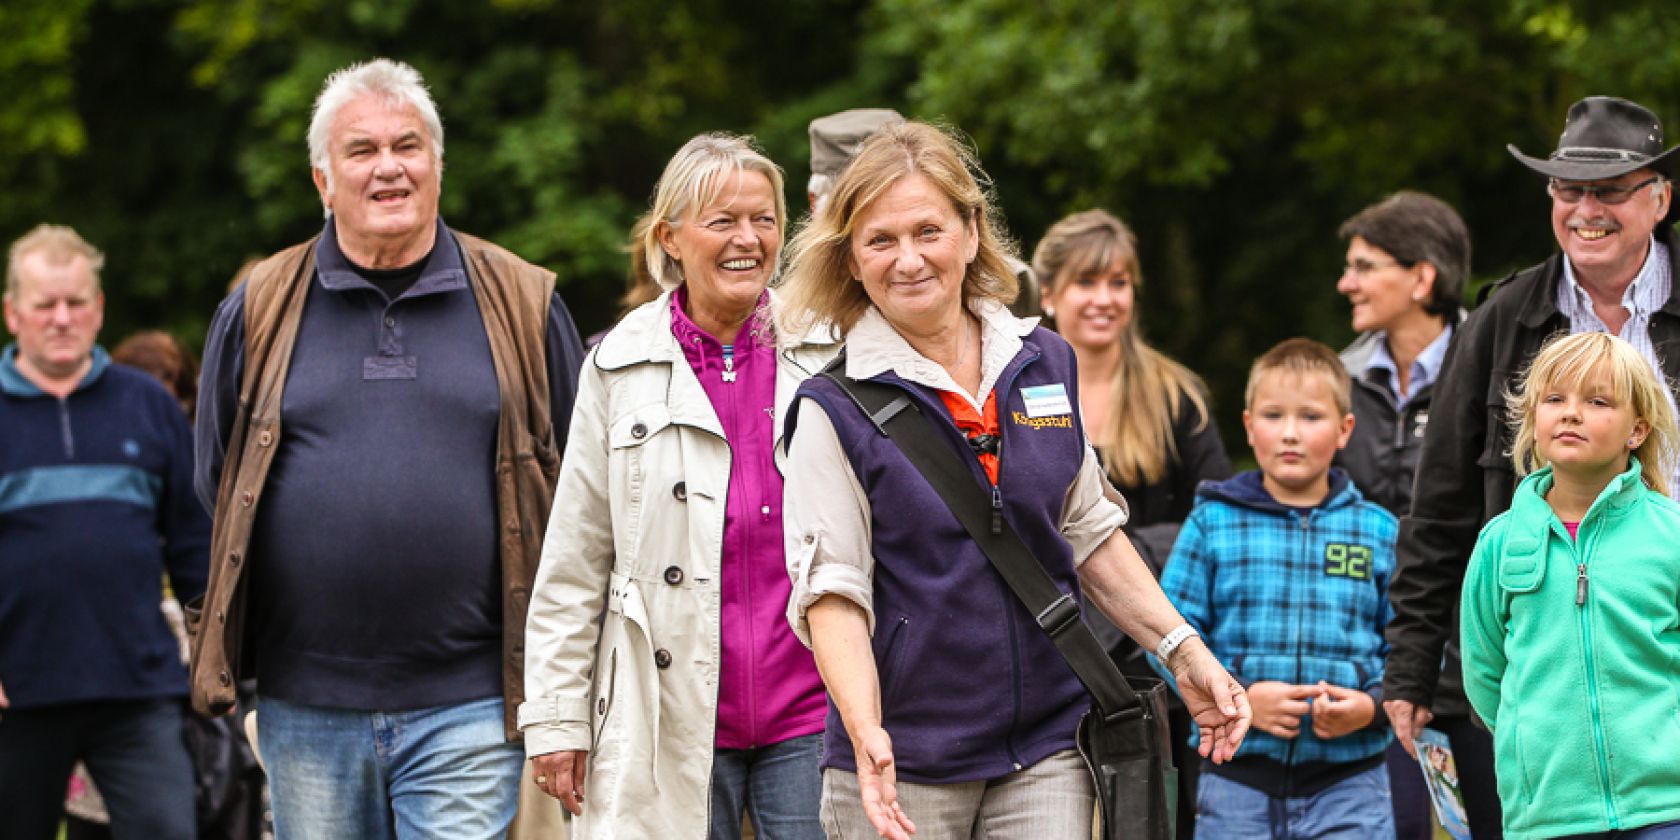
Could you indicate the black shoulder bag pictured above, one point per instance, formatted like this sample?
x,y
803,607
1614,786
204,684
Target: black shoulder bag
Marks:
x,y
1124,739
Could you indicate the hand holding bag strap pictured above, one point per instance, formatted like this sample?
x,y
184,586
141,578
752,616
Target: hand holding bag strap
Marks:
x,y
900,420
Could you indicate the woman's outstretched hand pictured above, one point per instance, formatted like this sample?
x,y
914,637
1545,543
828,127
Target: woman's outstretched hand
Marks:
x,y
1215,699
878,783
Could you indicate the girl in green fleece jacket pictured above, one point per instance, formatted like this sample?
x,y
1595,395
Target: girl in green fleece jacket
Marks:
x,y
1571,610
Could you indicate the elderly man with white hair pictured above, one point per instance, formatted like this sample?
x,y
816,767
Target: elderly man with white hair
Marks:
x,y
384,407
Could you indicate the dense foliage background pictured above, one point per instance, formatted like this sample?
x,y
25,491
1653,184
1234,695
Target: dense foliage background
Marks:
x,y
1235,135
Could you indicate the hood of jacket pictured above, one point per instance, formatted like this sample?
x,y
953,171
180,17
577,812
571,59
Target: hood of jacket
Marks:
x,y
1246,489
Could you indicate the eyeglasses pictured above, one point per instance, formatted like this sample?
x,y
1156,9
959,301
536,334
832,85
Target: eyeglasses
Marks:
x,y
1571,193
1364,268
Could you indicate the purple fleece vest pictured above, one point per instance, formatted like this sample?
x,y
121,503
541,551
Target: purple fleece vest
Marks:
x,y
971,688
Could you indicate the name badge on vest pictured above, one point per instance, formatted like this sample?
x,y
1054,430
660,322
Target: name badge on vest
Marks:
x,y
390,367
1046,400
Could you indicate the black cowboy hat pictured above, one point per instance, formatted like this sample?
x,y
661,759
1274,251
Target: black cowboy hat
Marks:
x,y
1604,137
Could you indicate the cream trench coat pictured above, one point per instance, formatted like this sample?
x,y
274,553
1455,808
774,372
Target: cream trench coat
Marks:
x,y
621,646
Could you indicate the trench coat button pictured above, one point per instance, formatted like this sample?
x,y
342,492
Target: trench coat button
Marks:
x,y
224,678
662,658
673,575
265,438
233,558
221,617
680,491
810,538
638,431
390,322
246,498
601,706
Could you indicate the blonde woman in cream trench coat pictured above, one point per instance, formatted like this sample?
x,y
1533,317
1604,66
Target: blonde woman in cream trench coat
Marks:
x,y
641,428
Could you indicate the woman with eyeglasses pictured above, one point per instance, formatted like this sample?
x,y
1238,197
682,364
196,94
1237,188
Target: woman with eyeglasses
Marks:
x,y
1408,257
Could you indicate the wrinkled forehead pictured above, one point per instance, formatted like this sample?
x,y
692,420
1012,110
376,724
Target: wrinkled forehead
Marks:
x,y
721,188
376,115
54,273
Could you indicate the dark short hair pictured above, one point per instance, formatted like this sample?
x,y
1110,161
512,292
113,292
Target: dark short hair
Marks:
x,y
1414,227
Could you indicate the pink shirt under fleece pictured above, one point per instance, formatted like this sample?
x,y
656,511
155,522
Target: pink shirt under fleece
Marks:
x,y
768,686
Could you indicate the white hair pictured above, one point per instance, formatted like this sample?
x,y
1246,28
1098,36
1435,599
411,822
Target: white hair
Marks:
x,y
396,84
818,188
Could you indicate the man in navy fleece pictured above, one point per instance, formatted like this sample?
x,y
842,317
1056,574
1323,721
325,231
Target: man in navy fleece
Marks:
x,y
96,504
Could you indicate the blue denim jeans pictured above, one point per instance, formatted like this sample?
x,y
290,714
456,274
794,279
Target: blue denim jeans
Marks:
x,y
1356,808
446,772
779,786
133,749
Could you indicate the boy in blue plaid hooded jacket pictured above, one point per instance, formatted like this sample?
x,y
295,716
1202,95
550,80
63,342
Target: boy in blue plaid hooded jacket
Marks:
x,y
1284,570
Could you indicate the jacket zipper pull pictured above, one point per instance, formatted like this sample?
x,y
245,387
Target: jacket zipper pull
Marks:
x,y
997,511
1581,585
729,363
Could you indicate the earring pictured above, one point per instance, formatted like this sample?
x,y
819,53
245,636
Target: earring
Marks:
x,y
1633,443
1049,311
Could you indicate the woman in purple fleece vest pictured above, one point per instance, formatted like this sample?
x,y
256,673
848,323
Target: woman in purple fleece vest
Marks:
x,y
950,713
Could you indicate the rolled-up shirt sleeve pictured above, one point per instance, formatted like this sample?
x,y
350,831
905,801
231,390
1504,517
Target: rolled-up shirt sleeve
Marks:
x,y
1093,510
826,525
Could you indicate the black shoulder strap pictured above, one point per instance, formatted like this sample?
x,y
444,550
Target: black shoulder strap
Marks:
x,y
981,514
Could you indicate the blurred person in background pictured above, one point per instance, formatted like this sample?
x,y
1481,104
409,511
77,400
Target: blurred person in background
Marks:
x,y
382,479
96,508
952,713
169,361
1408,257
1146,415
639,286
167,358
692,696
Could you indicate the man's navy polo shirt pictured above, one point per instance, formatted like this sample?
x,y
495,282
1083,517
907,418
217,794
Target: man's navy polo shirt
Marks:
x,y
374,578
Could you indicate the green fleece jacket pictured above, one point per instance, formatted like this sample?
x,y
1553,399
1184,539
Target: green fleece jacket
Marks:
x,y
1572,656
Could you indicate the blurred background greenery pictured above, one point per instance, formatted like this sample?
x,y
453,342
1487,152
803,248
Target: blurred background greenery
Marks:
x,y
1234,135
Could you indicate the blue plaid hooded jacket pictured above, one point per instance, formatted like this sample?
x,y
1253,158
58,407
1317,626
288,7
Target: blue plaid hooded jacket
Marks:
x,y
1290,595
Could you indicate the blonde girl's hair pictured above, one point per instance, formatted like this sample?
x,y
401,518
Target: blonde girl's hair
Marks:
x,y
1570,361
819,286
694,178
1149,391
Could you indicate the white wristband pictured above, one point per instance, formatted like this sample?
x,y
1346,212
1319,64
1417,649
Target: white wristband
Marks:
x,y
1172,640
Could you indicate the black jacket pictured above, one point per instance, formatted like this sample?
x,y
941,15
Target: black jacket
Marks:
x,y
1464,474
1382,455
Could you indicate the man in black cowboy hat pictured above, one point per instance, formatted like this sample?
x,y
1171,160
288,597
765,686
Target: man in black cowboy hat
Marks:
x,y
1612,209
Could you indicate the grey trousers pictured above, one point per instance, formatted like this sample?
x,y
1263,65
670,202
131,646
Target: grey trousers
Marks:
x,y
1051,800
